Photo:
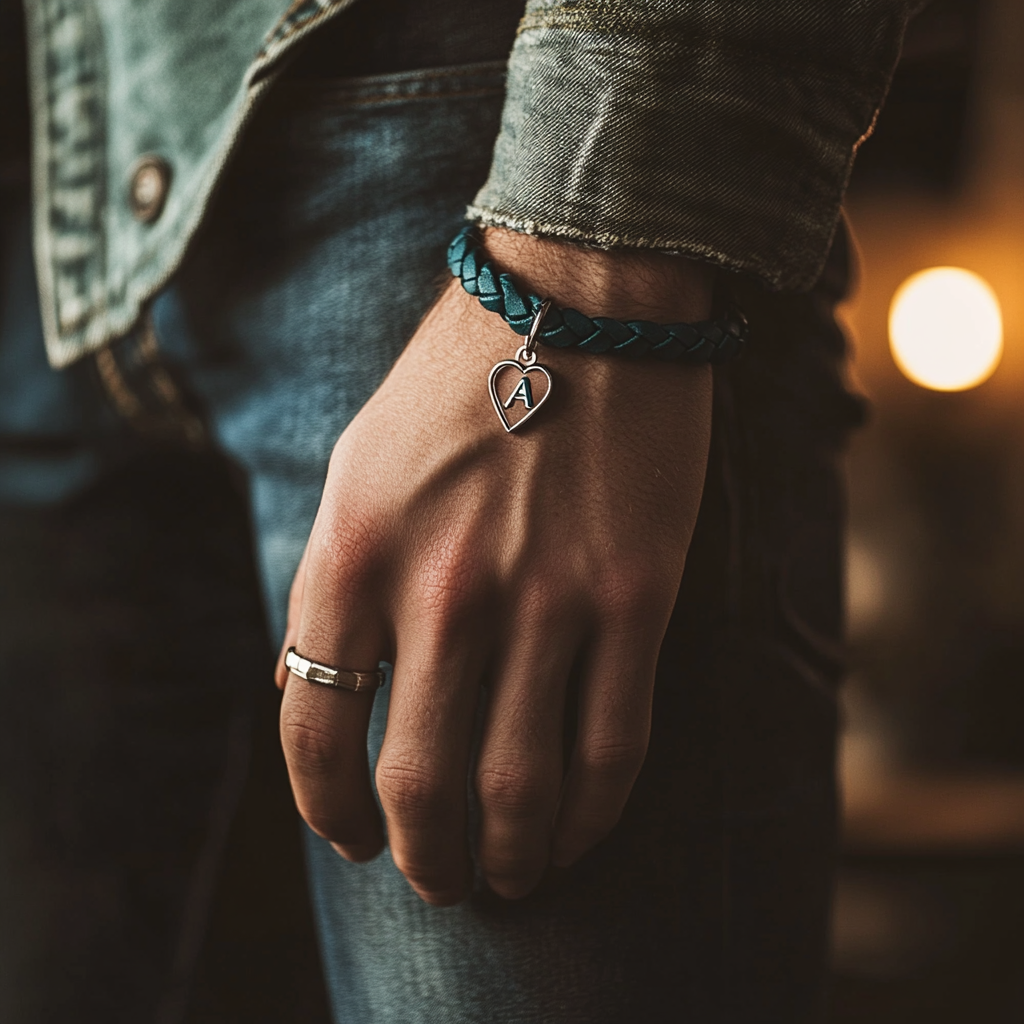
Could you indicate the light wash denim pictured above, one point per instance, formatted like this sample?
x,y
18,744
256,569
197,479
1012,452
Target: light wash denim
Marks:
x,y
709,902
722,130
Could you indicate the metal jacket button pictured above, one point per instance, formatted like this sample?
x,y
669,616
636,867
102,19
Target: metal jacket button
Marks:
x,y
150,179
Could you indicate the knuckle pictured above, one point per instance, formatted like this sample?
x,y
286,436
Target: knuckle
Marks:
x,y
616,759
449,606
452,582
512,790
310,745
448,617
345,550
412,792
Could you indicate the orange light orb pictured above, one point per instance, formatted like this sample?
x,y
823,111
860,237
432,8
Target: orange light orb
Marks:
x,y
946,329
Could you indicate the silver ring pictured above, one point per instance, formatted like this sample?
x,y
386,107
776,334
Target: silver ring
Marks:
x,y
326,675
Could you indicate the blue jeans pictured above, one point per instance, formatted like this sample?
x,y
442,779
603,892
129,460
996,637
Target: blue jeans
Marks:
x,y
709,902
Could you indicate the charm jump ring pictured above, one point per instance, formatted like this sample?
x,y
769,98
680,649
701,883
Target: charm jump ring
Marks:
x,y
527,355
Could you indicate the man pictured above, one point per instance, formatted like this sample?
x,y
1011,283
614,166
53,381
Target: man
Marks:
x,y
608,794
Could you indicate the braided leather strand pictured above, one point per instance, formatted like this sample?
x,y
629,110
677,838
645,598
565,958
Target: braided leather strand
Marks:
x,y
708,341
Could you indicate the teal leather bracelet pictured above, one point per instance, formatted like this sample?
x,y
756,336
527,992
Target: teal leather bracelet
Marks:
x,y
707,341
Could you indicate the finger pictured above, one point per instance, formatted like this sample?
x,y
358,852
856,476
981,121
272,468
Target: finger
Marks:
x,y
424,762
324,729
291,632
611,742
519,768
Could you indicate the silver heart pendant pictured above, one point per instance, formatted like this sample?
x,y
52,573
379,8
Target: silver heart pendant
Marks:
x,y
515,396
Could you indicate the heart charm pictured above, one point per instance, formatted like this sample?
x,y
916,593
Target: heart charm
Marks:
x,y
515,395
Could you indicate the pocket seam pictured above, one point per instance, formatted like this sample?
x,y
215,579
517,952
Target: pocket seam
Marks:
x,y
402,86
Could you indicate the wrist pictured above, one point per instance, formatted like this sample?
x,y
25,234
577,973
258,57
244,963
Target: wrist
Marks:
x,y
593,395
625,284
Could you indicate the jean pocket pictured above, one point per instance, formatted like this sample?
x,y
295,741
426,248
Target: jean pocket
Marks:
x,y
399,154
429,132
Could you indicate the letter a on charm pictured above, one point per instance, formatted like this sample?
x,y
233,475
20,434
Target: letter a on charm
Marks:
x,y
522,394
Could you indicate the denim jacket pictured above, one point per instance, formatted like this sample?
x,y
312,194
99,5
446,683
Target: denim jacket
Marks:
x,y
718,129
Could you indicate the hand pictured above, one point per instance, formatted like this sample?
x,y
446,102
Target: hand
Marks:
x,y
469,557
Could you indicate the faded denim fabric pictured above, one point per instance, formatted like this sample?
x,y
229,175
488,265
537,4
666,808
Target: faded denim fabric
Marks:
x,y
115,80
709,902
273,334
723,130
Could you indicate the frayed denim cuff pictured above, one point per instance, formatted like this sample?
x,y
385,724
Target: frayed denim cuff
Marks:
x,y
722,131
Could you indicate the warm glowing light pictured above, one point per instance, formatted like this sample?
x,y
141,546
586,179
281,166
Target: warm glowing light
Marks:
x,y
945,329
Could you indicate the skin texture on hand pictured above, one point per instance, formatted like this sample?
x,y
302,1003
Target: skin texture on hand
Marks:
x,y
469,557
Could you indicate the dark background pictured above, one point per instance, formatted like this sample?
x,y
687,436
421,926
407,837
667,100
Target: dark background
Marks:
x,y
929,924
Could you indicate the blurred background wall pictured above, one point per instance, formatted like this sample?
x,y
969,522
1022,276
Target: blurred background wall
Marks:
x,y
930,910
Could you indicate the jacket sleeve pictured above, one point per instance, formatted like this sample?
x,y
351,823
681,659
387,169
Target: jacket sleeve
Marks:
x,y
718,129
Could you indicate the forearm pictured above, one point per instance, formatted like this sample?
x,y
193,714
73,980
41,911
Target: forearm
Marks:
x,y
624,284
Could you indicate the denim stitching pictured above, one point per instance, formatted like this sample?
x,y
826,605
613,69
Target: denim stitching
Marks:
x,y
384,100
299,14
486,79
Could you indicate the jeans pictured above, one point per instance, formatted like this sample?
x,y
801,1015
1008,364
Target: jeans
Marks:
x,y
709,901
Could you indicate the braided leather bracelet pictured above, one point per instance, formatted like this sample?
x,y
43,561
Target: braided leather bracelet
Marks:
x,y
708,341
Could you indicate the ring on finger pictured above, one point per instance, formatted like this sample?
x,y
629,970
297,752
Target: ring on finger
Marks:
x,y
328,675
